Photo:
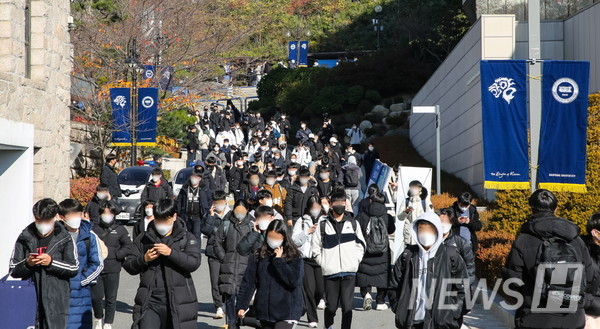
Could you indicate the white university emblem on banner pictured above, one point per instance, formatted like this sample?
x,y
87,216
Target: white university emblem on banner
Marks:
x,y
121,101
503,87
147,102
565,90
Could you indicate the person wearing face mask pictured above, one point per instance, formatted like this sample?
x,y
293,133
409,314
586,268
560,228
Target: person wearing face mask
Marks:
x,y
462,246
193,203
285,126
265,198
233,228
250,187
303,132
148,213
335,156
351,179
373,270
218,212
192,145
90,259
217,154
46,254
227,153
298,195
302,154
415,204
278,193
313,284
344,241
214,176
369,158
324,182
252,241
275,273
204,138
109,177
116,239
102,194
418,267
157,188
356,137
239,138
279,159
164,257
236,175
468,222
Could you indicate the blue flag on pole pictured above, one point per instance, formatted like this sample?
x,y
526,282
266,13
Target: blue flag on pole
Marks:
x,y
147,113
120,100
149,71
504,117
303,57
563,141
293,51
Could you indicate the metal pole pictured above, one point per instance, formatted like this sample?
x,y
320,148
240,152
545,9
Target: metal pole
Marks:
x,y
298,53
378,29
535,87
133,118
438,150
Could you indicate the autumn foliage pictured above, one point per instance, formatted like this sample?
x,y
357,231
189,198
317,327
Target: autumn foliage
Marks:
x,y
83,189
494,246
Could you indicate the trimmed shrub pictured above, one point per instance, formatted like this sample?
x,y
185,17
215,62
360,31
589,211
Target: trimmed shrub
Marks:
x,y
373,95
491,255
83,189
444,200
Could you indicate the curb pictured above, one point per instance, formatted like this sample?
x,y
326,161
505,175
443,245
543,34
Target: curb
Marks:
x,y
507,317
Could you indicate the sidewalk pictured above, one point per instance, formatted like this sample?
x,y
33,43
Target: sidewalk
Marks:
x,y
479,318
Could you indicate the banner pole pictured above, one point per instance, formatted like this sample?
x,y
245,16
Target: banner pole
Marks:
x,y
535,87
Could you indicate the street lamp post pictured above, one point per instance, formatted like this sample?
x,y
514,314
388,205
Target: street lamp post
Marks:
x,y
133,63
377,24
296,36
438,145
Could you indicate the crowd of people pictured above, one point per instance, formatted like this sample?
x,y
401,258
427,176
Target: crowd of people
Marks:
x,y
288,231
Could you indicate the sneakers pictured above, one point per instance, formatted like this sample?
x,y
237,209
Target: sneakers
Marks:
x,y
219,314
382,307
107,326
313,325
97,323
321,305
367,302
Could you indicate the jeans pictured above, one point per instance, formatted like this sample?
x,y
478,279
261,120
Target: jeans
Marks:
x,y
338,291
352,196
104,296
230,312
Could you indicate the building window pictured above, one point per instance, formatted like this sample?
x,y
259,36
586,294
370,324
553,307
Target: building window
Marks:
x,y
28,38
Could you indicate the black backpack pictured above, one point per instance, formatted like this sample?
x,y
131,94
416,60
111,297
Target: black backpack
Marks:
x,y
351,178
377,240
556,251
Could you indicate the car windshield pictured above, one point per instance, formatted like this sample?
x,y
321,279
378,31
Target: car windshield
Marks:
x,y
134,177
183,176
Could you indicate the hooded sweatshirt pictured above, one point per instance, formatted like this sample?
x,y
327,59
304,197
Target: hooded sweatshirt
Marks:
x,y
424,257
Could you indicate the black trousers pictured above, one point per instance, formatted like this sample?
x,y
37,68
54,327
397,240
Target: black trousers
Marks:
x,y
104,296
313,287
381,293
277,325
213,267
194,225
339,291
191,157
156,316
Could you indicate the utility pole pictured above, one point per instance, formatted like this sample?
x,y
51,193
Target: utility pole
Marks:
x,y
535,86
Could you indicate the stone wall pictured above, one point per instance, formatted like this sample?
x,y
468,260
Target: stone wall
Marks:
x,y
42,99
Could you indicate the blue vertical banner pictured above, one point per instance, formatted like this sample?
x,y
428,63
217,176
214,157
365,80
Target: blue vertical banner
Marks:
x,y
147,114
303,57
563,138
149,72
120,100
504,117
165,77
293,51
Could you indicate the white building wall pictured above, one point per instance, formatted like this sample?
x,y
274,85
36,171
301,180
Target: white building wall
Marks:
x,y
582,41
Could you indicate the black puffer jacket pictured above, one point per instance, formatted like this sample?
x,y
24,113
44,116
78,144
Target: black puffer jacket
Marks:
x,y
233,265
465,251
117,241
51,282
296,200
109,176
209,227
177,269
374,269
157,193
205,199
522,264
93,208
592,298
473,226
446,264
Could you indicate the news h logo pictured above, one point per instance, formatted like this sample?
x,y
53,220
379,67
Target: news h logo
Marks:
x,y
559,287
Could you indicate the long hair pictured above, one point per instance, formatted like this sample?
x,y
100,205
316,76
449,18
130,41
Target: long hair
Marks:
x,y
309,204
290,251
424,192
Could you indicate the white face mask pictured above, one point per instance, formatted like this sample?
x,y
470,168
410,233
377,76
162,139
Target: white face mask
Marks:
x,y
446,227
195,181
155,178
273,244
427,239
415,192
463,209
107,218
303,181
315,212
44,228
101,196
220,207
324,176
271,181
294,160
74,223
326,208
163,229
149,212
268,202
263,224
292,172
240,216
371,148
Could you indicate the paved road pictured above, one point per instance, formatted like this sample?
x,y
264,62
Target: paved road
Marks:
x,y
362,319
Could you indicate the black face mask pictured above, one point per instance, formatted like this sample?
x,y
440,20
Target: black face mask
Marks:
x,y
282,147
338,209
